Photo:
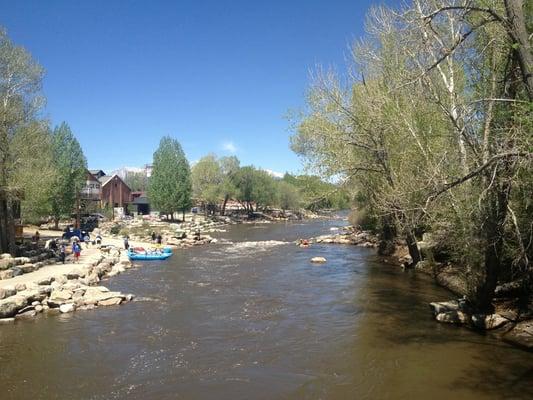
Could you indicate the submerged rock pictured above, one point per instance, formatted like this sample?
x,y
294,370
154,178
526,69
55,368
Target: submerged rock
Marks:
x,y
66,308
318,260
521,335
452,317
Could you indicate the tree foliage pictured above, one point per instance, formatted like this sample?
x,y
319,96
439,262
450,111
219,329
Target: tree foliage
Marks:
x,y
71,167
431,128
170,186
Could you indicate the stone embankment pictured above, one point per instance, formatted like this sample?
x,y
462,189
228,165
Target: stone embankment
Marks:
x,y
348,235
186,234
62,288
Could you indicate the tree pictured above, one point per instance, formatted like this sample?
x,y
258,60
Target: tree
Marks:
x,y
207,178
136,181
230,166
432,131
20,85
288,196
71,166
34,171
170,184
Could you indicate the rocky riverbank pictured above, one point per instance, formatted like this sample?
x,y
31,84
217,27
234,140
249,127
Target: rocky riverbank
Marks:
x,y
63,288
507,323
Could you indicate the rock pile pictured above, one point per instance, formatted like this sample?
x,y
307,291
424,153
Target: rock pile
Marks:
x,y
65,293
15,266
349,235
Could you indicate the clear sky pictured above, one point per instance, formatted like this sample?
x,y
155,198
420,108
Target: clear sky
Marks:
x,y
217,75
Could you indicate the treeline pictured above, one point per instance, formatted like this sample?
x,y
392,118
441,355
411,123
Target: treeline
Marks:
x,y
431,129
41,169
212,182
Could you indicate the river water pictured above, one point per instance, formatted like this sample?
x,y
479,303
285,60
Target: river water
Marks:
x,y
252,318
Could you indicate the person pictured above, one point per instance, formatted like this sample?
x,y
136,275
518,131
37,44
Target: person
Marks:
x,y
126,243
153,237
76,249
35,238
53,245
98,239
62,253
197,235
159,239
87,239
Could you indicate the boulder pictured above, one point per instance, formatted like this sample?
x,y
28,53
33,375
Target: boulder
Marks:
x,y
444,306
66,308
58,297
9,291
19,287
45,281
38,308
6,263
94,296
61,279
75,274
26,314
488,322
452,317
6,274
114,301
10,306
22,260
5,256
16,271
521,335
318,260
27,268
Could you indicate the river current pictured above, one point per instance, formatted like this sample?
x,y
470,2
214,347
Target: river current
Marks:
x,y
251,318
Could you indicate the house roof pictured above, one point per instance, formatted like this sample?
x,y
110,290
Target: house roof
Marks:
x,y
141,200
106,178
97,172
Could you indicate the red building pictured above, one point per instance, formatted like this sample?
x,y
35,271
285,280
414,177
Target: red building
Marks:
x,y
114,192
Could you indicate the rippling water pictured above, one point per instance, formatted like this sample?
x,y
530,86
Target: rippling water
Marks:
x,y
252,318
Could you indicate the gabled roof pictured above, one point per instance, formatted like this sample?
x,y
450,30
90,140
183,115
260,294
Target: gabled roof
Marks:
x,y
97,172
105,179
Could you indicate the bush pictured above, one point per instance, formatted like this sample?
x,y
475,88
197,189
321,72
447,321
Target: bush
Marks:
x,y
115,229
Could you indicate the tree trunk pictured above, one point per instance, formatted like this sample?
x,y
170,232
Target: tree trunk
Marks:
x,y
223,212
516,19
493,233
56,223
414,251
387,236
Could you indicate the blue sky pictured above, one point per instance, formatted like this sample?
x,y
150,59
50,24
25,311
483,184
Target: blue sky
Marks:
x,y
217,75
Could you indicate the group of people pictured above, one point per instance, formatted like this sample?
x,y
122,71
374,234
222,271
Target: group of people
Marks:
x,y
158,239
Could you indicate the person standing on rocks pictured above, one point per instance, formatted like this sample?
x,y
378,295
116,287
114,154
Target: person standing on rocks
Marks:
x,y
159,239
153,237
76,249
62,252
126,243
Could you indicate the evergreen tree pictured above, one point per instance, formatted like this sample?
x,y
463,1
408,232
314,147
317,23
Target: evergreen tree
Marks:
x,y
170,186
71,165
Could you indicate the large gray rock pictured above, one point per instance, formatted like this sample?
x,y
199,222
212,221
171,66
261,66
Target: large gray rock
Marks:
x,y
45,281
9,291
452,317
27,268
22,260
58,297
114,301
444,306
10,306
66,308
6,263
6,274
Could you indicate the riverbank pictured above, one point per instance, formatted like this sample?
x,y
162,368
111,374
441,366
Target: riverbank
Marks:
x,y
63,288
506,323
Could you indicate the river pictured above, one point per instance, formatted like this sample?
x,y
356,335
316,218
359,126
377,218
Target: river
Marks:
x,y
251,318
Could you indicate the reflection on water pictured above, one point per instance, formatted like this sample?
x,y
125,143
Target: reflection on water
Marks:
x,y
251,317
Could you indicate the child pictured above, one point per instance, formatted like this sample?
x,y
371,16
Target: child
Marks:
x,y
76,249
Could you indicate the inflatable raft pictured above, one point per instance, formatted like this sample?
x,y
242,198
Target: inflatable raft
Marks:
x,y
149,255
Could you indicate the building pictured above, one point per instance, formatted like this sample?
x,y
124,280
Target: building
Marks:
x,y
91,191
114,192
104,190
140,203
